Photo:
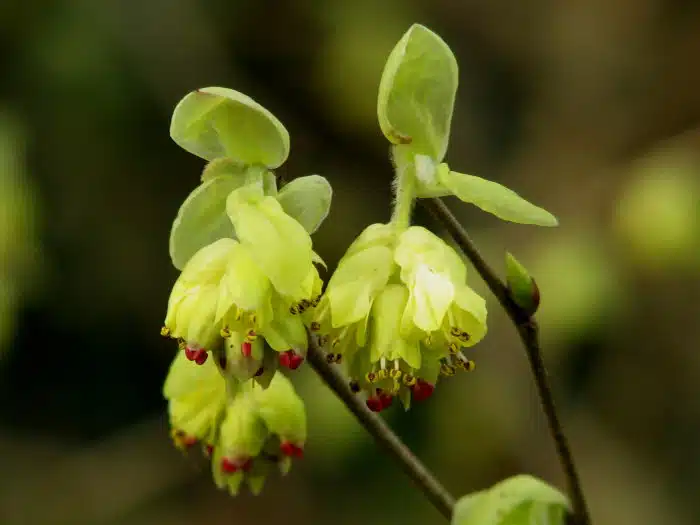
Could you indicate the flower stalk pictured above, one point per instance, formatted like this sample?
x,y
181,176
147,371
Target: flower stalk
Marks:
x,y
529,335
434,491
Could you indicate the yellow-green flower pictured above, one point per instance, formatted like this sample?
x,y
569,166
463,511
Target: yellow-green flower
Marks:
x,y
263,429
197,398
244,428
398,312
262,285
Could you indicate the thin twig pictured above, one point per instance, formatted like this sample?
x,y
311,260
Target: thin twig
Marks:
x,y
529,334
380,431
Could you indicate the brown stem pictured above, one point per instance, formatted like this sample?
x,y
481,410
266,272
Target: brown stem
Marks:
x,y
441,499
529,335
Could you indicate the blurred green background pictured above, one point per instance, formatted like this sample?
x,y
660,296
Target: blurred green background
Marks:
x,y
587,108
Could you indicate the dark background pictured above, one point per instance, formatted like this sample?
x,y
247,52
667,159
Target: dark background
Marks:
x,y
584,107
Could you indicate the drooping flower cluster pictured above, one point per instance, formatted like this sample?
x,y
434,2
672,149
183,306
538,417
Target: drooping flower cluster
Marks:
x,y
247,286
246,430
234,295
398,312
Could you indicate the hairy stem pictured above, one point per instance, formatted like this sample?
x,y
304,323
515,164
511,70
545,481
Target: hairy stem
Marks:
x,y
529,335
404,190
380,431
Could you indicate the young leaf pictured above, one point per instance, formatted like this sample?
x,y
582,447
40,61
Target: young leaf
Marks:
x,y
308,200
520,500
202,219
417,93
218,122
494,198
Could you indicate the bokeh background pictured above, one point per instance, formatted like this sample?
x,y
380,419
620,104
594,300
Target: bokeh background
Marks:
x,y
587,108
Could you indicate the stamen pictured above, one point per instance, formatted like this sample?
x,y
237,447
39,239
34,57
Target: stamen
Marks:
x,y
386,400
228,466
293,309
291,450
382,362
165,331
354,386
315,326
201,356
374,404
422,390
382,374
455,331
395,374
251,336
225,332
409,380
371,377
290,359
397,364
330,358
464,337
447,370
454,348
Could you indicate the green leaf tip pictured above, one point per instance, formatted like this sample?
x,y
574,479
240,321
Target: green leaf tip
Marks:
x,y
219,122
417,92
494,198
520,500
522,286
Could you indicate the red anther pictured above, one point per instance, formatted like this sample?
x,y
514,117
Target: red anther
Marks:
x,y
246,349
295,361
188,441
422,390
229,466
287,448
290,449
290,359
209,450
190,353
386,400
285,359
374,404
201,356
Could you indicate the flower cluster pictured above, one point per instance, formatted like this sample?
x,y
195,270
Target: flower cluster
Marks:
x,y
245,429
235,294
398,312
247,286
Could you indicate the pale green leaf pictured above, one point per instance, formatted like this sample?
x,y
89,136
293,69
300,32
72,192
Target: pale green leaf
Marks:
x,y
417,93
202,219
520,500
218,122
495,198
308,200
